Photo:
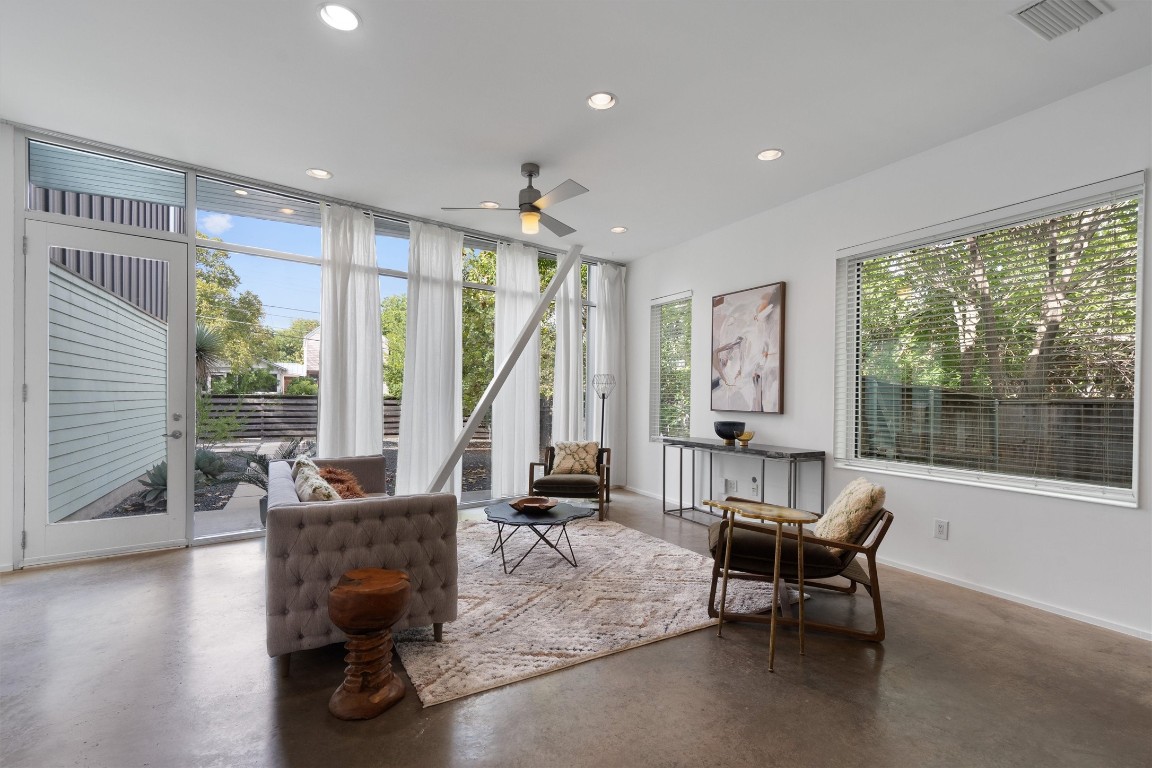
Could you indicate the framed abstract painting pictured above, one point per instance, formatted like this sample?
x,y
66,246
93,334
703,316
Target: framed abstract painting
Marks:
x,y
748,350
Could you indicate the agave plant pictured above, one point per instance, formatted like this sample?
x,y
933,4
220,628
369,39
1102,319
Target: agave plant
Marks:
x,y
256,472
210,351
155,483
210,468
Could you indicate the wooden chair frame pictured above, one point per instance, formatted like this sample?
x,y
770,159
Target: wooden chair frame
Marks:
x,y
852,571
603,468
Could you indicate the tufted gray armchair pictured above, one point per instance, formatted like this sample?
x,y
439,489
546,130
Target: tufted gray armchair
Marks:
x,y
311,544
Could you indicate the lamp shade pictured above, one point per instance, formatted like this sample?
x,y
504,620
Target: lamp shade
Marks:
x,y
603,383
530,222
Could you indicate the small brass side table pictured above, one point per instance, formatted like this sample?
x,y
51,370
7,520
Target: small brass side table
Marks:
x,y
780,516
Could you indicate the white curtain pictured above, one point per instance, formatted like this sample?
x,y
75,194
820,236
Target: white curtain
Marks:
x,y
350,421
516,410
431,410
568,394
608,296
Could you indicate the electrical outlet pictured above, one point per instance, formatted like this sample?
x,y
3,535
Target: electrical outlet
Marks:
x,y
755,487
942,529
729,485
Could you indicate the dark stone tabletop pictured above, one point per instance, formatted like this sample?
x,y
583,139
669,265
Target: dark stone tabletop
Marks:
x,y
558,515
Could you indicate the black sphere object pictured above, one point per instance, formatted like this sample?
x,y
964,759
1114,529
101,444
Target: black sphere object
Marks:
x,y
728,430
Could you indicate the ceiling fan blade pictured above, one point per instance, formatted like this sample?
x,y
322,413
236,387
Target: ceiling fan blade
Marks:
x,y
561,193
514,210
559,228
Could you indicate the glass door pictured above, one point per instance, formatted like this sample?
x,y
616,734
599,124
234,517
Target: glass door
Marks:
x,y
107,422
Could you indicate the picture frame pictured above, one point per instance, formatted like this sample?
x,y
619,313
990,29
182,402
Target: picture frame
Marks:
x,y
748,350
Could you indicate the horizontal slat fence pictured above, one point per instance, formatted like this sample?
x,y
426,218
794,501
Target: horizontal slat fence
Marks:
x,y
287,416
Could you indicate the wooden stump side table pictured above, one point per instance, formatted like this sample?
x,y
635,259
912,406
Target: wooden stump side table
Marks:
x,y
364,604
780,516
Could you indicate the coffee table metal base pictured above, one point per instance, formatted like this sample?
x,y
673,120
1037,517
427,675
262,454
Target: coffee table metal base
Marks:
x,y
540,523
541,536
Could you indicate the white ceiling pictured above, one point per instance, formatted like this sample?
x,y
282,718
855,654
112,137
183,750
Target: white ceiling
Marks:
x,y
434,104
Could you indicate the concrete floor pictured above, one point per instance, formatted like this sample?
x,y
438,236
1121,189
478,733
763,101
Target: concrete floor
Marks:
x,y
158,659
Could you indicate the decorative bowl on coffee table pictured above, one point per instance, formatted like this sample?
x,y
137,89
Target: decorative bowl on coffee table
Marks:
x,y
533,504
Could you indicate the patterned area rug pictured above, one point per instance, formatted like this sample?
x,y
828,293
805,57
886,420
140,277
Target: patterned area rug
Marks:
x,y
630,589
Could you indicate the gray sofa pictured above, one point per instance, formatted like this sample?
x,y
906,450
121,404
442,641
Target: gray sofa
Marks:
x,y
311,544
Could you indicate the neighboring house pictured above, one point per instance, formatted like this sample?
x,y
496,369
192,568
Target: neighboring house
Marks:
x,y
311,344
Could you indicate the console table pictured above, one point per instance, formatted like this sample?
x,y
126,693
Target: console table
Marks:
x,y
793,457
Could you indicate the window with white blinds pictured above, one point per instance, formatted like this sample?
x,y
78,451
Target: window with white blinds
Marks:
x,y
1001,353
670,377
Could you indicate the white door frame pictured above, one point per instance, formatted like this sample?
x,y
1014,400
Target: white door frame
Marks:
x,y
47,543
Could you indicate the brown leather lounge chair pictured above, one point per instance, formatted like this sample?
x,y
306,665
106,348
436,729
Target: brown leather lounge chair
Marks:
x,y
753,550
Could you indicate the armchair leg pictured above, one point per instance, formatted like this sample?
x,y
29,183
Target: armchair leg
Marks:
x,y
284,663
438,631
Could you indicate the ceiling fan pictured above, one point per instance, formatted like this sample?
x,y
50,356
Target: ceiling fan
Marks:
x,y
532,203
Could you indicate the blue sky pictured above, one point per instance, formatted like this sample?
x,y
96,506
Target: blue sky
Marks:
x,y
287,289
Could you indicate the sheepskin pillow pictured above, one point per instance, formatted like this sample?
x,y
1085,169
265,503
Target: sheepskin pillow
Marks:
x,y
311,487
851,513
303,462
344,482
575,458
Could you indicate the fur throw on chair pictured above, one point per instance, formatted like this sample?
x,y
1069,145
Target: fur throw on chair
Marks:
x,y
344,482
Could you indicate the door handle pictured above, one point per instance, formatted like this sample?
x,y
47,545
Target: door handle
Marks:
x,y
176,435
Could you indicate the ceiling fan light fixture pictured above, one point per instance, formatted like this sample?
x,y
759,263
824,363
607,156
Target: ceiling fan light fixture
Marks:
x,y
319,173
602,100
770,154
339,17
618,230
530,222
489,204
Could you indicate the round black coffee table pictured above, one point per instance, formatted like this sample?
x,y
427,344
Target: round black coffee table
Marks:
x,y
540,523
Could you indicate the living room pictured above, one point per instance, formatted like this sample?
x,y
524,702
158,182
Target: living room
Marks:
x,y
1053,587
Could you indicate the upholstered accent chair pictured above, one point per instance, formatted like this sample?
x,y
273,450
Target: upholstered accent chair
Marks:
x,y
559,480
753,553
311,544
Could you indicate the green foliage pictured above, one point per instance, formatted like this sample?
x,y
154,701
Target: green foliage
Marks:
x,y
210,467
675,405
394,325
305,385
245,382
288,343
155,483
256,470
479,319
1044,309
235,315
210,351
215,428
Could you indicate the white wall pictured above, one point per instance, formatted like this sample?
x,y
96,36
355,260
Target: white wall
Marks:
x,y
1090,561
8,321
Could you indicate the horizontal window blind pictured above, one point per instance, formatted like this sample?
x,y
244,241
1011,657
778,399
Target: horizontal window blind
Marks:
x,y
1006,355
670,375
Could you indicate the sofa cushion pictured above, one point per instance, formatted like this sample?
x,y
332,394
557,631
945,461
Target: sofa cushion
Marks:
x,y
576,458
567,485
343,481
301,463
851,512
311,487
754,551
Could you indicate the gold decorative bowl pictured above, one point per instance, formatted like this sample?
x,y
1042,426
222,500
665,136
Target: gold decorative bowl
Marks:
x,y
745,438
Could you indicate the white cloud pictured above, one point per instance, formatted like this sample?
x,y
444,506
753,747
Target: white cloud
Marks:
x,y
216,223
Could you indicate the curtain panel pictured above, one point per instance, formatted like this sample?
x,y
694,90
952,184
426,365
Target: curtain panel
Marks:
x,y
608,292
431,410
568,392
516,410
350,418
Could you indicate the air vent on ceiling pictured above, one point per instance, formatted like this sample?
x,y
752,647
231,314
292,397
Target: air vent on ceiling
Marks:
x,y
1052,18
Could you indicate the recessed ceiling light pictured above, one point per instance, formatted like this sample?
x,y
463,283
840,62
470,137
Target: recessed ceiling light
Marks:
x,y
319,173
287,211
489,204
339,17
240,191
770,154
618,230
602,100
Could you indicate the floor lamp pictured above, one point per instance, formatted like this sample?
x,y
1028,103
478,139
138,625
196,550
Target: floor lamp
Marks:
x,y
604,383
